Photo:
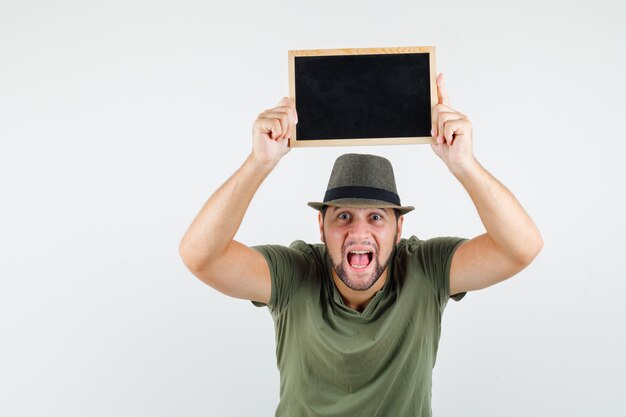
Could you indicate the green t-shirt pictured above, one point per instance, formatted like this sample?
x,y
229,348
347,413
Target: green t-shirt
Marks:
x,y
335,361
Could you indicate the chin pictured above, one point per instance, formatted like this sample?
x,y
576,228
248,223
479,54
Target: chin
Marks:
x,y
358,280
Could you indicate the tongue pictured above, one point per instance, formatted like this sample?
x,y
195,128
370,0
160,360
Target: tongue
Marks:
x,y
359,259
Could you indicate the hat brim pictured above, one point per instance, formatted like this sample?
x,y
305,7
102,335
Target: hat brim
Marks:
x,y
360,203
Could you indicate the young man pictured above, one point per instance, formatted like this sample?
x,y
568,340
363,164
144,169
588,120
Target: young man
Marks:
x,y
358,317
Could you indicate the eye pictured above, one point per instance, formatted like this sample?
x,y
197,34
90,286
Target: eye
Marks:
x,y
377,217
344,216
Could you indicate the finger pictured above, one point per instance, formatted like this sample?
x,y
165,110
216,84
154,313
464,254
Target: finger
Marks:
x,y
292,105
287,122
290,123
453,129
282,118
436,110
288,103
445,117
293,118
283,102
276,128
290,110
442,93
286,141
284,106
269,126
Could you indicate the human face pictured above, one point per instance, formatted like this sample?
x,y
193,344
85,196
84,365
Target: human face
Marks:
x,y
360,242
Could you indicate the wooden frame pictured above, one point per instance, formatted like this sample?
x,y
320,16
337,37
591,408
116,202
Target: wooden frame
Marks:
x,y
373,54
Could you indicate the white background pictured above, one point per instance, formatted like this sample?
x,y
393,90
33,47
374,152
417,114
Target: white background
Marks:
x,y
118,120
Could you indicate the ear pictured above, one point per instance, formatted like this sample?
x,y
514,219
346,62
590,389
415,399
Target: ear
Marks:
x,y
320,220
400,222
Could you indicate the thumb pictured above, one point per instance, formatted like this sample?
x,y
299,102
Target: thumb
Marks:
x,y
283,101
442,92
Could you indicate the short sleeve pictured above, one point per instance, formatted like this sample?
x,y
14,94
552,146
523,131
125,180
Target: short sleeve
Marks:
x,y
288,268
437,256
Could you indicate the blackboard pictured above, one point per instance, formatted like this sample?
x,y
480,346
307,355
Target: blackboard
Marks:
x,y
363,96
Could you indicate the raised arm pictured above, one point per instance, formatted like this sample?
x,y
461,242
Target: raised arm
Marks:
x,y
208,248
511,240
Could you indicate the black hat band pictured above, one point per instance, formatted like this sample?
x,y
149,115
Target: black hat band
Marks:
x,y
369,193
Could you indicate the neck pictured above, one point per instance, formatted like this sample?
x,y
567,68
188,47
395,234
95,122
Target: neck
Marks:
x,y
358,300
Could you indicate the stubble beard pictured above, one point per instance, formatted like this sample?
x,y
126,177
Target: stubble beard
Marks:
x,y
366,284
361,285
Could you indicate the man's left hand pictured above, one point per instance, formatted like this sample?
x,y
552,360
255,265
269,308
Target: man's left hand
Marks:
x,y
452,132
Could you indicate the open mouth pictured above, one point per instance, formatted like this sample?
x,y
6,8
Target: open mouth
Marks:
x,y
359,259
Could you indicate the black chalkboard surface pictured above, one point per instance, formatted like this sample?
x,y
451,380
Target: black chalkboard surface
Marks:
x,y
363,96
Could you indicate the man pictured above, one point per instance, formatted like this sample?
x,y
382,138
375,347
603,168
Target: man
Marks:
x,y
358,317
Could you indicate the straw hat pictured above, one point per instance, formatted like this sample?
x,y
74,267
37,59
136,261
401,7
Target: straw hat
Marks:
x,y
361,180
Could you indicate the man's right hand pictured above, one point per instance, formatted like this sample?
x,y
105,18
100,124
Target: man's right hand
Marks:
x,y
271,132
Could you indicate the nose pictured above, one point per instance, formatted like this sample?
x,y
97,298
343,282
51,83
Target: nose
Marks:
x,y
359,229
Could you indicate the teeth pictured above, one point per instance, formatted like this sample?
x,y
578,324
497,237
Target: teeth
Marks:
x,y
360,252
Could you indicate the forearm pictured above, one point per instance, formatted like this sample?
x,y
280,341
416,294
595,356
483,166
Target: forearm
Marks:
x,y
513,232
216,224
